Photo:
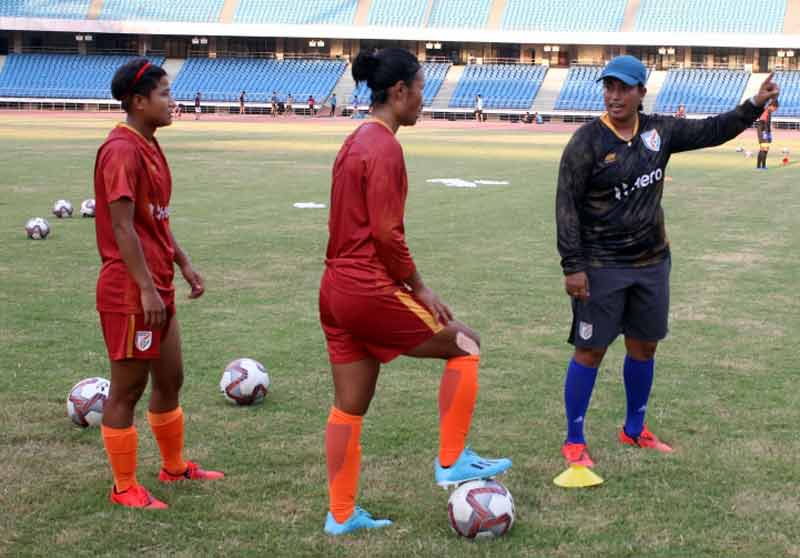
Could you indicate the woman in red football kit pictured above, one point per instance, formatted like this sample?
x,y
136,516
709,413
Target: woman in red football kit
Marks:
x,y
373,303
135,293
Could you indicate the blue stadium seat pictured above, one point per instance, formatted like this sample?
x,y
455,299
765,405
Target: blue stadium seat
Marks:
x,y
711,16
564,15
701,91
471,14
790,93
581,90
62,9
201,11
510,86
222,79
61,76
397,13
435,73
299,12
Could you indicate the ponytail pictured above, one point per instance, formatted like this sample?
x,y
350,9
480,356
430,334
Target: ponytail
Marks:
x,y
383,69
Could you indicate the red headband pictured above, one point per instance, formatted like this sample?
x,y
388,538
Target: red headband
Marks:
x,y
139,74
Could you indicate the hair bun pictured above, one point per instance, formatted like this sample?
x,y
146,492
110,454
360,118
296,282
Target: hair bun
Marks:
x,y
365,66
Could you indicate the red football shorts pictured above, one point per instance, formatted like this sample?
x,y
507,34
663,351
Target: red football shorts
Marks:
x,y
127,337
382,326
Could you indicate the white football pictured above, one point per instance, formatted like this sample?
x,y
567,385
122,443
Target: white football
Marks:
x,y
244,382
482,509
37,228
86,401
740,149
87,208
62,209
748,154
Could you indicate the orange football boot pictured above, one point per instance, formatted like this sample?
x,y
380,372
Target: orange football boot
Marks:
x,y
646,440
137,497
192,472
576,454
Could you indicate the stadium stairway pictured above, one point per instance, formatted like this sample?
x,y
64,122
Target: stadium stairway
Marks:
x,y
344,89
362,15
631,10
496,14
551,86
442,100
654,84
228,11
173,67
791,21
753,85
94,9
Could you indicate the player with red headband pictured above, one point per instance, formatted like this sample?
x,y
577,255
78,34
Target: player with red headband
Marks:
x,y
135,293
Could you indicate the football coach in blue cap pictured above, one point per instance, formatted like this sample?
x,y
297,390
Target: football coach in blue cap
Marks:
x,y
613,245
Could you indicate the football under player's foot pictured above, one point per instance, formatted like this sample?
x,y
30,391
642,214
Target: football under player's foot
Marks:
x,y
576,454
193,472
469,466
136,497
645,439
359,519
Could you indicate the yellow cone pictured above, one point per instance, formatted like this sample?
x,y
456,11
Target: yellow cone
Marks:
x,y
577,476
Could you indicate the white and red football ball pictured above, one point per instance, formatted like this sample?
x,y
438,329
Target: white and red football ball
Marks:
x,y
62,209
482,509
244,382
87,208
86,401
37,228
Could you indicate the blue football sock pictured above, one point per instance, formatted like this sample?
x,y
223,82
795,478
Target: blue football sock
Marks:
x,y
578,388
638,376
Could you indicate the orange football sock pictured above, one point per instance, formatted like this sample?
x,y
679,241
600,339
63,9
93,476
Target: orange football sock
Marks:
x,y
168,431
457,394
121,444
343,452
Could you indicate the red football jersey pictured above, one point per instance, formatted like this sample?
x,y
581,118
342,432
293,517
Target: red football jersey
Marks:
x,y
129,166
367,251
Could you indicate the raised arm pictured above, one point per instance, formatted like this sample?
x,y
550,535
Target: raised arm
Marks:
x,y
697,134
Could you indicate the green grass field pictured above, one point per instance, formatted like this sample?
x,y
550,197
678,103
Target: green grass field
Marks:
x,y
725,393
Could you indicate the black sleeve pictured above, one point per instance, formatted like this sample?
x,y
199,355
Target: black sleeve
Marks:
x,y
697,134
574,173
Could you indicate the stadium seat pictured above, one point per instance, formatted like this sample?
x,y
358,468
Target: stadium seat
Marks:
x,y
397,13
510,86
201,11
297,12
790,93
471,14
581,90
61,76
435,73
701,91
63,9
222,79
711,16
564,15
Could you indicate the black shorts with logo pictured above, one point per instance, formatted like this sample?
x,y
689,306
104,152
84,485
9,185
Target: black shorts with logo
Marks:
x,y
633,301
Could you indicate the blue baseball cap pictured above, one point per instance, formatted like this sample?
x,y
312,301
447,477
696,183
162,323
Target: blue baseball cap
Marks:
x,y
627,69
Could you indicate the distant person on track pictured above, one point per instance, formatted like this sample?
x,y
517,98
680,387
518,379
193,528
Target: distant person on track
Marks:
x,y
479,109
241,102
764,131
197,109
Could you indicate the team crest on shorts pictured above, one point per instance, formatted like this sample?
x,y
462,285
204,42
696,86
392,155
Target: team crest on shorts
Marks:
x,y
585,331
144,340
652,140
